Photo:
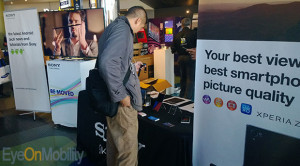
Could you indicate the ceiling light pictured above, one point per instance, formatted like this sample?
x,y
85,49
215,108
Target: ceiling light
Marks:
x,y
187,11
11,2
25,0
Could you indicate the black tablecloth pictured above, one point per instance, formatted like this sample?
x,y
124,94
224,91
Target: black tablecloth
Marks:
x,y
158,144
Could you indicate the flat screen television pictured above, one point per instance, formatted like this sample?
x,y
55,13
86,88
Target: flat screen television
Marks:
x,y
264,147
141,36
169,31
153,32
62,31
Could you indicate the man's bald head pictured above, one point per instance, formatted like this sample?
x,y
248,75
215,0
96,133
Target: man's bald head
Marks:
x,y
137,18
186,22
137,12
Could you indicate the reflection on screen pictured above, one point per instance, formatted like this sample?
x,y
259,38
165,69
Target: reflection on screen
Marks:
x,y
153,32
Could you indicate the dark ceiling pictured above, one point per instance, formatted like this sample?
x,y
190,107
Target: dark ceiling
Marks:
x,y
158,4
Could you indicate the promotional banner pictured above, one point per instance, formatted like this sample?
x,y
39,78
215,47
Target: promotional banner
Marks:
x,y
66,78
247,97
26,60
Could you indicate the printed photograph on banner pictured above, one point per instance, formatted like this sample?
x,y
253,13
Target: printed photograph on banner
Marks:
x,y
259,20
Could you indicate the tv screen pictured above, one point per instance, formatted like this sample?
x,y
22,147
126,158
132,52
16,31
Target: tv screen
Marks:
x,y
71,33
169,31
153,32
265,147
168,24
168,38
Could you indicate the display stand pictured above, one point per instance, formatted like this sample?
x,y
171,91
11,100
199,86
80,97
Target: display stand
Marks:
x,y
164,67
66,78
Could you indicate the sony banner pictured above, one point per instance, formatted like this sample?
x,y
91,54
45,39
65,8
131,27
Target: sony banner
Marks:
x,y
66,78
26,60
247,95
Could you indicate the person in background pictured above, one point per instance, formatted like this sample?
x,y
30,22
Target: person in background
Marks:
x,y
115,54
76,45
192,52
184,41
2,63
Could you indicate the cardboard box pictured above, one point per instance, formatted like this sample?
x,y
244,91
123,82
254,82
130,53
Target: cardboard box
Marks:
x,y
155,84
148,71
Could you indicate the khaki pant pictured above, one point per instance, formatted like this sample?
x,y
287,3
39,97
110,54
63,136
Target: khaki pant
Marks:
x,y
122,138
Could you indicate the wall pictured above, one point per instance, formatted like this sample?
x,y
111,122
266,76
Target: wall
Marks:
x,y
150,13
175,12
40,6
126,4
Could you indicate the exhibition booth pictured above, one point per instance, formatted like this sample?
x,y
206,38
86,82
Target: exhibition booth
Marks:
x,y
169,135
246,88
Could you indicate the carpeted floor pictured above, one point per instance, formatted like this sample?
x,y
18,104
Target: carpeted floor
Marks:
x,y
25,141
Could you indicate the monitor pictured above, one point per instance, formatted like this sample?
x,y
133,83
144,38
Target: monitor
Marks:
x,y
67,26
153,32
141,36
169,31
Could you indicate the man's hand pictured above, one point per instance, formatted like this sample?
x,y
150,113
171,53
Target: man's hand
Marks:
x,y
138,64
153,94
57,40
81,33
192,52
125,102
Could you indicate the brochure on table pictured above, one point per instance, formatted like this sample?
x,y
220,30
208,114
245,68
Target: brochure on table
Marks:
x,y
66,78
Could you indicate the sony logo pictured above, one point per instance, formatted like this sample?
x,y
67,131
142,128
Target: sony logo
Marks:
x,y
53,65
100,130
10,15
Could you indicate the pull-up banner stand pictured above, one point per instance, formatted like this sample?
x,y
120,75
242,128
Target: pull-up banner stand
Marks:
x,y
247,95
26,60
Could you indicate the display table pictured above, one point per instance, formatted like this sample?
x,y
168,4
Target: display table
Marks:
x,y
162,145
66,78
159,145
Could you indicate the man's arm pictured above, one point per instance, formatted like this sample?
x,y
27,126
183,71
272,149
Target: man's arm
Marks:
x,y
110,65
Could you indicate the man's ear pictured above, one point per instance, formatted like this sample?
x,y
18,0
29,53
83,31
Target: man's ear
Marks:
x,y
138,20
